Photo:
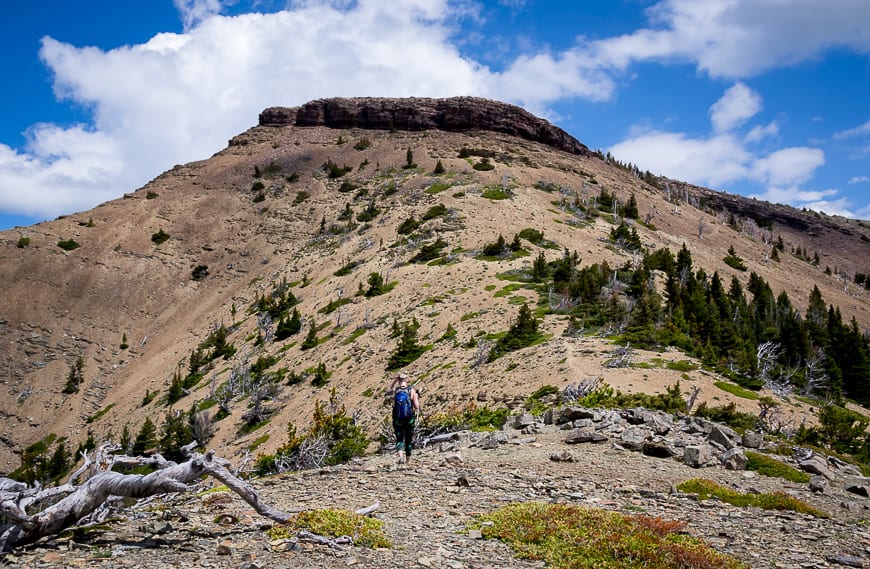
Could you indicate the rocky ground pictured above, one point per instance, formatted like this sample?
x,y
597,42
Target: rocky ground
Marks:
x,y
426,508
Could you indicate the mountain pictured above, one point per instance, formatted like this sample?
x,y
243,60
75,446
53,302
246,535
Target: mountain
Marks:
x,y
104,310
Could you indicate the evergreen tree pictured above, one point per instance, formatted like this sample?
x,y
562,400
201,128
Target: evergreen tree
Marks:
x,y
75,377
174,434
310,340
288,326
539,268
176,389
439,168
407,349
146,438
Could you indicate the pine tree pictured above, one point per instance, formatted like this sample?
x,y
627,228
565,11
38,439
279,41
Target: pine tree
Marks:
x,y
439,168
75,376
146,439
310,340
174,434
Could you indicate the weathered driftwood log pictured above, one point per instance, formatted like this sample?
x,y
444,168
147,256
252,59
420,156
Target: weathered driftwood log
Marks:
x,y
70,503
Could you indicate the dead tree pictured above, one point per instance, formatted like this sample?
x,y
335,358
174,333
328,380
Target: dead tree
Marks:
x,y
63,506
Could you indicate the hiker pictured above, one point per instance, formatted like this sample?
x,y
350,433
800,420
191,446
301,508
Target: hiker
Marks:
x,y
406,404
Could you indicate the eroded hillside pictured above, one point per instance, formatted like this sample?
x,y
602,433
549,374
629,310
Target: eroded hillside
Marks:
x,y
315,211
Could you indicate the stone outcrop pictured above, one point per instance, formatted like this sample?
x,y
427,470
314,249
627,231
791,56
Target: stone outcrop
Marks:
x,y
455,114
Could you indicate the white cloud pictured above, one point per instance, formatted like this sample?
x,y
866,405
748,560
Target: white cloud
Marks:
x,y
858,131
735,107
788,166
741,38
816,200
859,179
759,133
193,12
709,161
722,157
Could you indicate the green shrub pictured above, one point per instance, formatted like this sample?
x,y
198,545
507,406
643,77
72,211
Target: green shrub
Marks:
x,y
199,272
439,168
362,144
258,186
151,195
23,242
495,194
437,188
532,235
438,210
671,401
733,261
727,414
68,245
769,466
408,226
429,251
160,237
484,165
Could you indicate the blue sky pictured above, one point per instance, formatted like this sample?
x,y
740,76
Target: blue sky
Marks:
x,y
766,98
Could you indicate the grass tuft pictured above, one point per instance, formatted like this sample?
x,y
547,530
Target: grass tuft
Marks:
x,y
706,489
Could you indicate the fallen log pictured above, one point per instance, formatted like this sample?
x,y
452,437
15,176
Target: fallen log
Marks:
x,y
70,503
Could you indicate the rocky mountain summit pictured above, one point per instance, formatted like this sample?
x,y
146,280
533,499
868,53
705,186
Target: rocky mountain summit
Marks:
x,y
455,114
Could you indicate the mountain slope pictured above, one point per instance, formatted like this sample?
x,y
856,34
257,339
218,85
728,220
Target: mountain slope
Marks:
x,y
265,212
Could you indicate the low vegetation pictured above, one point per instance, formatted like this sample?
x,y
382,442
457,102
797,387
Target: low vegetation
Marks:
x,y
567,537
365,531
707,489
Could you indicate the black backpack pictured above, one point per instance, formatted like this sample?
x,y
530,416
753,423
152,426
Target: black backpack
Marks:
x,y
403,408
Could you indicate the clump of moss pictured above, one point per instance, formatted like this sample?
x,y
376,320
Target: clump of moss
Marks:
x,y
364,531
565,536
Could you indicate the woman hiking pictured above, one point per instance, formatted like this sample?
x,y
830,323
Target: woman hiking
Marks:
x,y
406,405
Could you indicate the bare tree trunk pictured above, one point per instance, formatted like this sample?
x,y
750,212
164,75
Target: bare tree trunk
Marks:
x,y
81,501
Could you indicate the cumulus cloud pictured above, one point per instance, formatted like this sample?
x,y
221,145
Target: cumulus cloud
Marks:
x,y
760,132
859,179
737,105
741,38
193,12
722,157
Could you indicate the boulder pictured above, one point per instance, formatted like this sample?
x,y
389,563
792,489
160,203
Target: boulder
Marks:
x,y
564,456
734,459
584,436
634,437
816,465
752,440
724,436
696,456
658,449
571,414
818,484
697,425
524,420
859,489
